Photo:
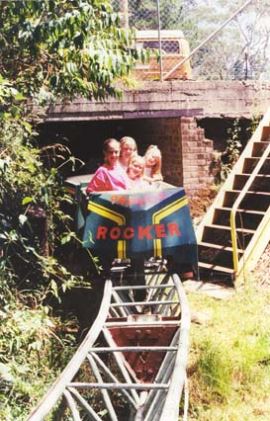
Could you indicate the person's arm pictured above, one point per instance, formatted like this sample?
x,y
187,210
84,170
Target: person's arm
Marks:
x,y
99,181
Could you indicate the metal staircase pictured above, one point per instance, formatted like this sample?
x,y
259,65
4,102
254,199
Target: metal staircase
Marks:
x,y
236,229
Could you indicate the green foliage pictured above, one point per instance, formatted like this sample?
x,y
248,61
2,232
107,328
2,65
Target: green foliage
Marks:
x,y
223,162
232,152
34,348
64,47
254,123
48,49
214,370
32,220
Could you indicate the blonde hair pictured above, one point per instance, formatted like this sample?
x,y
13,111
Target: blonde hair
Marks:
x,y
128,140
156,169
136,158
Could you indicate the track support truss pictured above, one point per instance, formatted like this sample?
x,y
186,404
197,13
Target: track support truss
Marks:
x,y
132,363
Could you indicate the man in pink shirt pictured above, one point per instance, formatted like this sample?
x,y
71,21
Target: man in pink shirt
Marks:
x,y
110,175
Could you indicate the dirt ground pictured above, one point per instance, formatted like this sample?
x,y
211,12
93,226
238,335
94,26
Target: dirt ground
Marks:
x,y
199,203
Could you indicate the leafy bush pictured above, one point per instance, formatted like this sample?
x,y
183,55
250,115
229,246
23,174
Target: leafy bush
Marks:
x,y
223,162
48,50
32,221
33,343
34,348
64,48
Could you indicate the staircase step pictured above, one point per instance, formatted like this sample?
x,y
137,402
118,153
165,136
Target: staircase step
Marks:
x,y
252,200
216,255
259,148
265,134
216,246
251,162
247,219
216,268
261,182
221,235
224,227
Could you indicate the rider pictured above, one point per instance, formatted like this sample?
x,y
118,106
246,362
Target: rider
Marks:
x,y
110,175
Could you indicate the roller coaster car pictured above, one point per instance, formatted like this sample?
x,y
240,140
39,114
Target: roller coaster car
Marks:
x,y
154,224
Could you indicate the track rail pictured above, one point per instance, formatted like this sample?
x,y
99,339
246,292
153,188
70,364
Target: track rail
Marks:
x,y
132,363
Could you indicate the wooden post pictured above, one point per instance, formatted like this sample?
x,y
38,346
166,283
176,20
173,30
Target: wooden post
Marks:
x,y
124,13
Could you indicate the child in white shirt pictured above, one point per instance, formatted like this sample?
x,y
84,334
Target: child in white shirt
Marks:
x,y
135,172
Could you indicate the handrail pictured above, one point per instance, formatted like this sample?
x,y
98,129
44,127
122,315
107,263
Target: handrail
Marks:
x,y
178,379
264,228
237,203
73,366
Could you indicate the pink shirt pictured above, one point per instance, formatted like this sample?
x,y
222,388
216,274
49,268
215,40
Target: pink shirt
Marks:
x,y
107,179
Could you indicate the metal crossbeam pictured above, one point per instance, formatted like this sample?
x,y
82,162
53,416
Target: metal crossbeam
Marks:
x,y
133,349
142,303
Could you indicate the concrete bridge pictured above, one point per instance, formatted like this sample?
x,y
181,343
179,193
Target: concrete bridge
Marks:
x,y
185,118
234,99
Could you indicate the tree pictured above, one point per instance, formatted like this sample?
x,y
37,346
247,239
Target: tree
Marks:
x,y
240,50
255,32
65,47
48,49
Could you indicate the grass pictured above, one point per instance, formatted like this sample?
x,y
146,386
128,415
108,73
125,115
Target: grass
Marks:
x,y
229,366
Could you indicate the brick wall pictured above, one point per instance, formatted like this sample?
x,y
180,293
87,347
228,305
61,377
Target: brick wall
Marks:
x,y
197,156
166,133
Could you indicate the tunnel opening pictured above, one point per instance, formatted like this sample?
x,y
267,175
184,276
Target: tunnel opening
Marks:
x,y
219,130
85,140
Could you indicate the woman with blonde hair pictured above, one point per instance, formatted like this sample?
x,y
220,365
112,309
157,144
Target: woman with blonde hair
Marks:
x,y
153,163
128,147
